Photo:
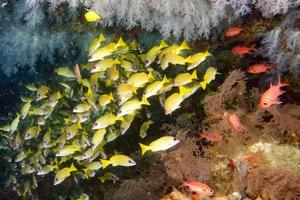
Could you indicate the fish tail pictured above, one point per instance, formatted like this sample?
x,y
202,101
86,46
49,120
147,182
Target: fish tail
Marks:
x,y
183,91
203,84
184,45
150,75
194,75
111,96
207,53
163,44
165,79
145,101
73,168
189,59
101,38
121,43
183,184
120,118
144,148
116,61
79,124
104,163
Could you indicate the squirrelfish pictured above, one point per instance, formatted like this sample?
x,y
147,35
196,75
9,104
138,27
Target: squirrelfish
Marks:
x,y
198,58
233,31
65,71
171,58
118,160
259,68
129,107
184,78
98,137
62,174
234,120
96,43
209,76
81,108
140,79
161,144
153,52
174,100
153,88
200,188
105,99
242,50
270,96
103,65
32,132
92,16
106,120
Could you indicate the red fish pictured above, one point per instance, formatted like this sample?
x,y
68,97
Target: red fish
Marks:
x,y
241,50
233,31
270,96
201,189
234,121
259,68
211,137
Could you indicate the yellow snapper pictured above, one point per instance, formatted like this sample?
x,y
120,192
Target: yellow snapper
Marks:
x,y
127,66
160,144
72,130
125,92
18,141
118,160
184,78
93,166
68,150
144,128
62,139
129,107
191,89
98,137
92,16
22,155
171,58
106,120
96,43
15,123
103,65
47,169
209,76
153,52
62,174
42,92
153,88
174,100
175,49
25,108
126,123
108,176
47,138
105,99
31,87
140,79
107,50
43,110
198,58
65,71
81,108
32,132
113,73
53,99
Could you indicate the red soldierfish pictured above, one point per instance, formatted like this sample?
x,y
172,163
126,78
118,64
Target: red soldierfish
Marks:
x,y
234,121
270,96
198,187
233,31
259,68
241,50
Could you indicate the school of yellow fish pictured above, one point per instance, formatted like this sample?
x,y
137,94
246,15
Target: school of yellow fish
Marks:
x,y
64,130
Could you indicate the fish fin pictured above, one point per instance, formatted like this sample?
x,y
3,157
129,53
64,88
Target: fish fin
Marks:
x,y
121,43
104,163
207,53
189,59
144,148
183,91
111,96
183,184
203,85
101,38
194,75
163,44
116,61
73,168
150,75
145,101
120,118
165,80
79,124
184,45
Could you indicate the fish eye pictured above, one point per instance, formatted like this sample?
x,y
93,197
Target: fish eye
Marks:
x,y
265,103
56,179
130,161
68,134
96,124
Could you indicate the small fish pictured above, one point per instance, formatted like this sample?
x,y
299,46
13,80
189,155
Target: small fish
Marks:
x,y
118,160
171,58
96,43
47,169
103,65
43,110
81,108
31,87
5,128
129,107
65,71
209,76
125,92
105,99
62,174
174,49
53,99
68,150
153,88
242,50
259,68
15,123
47,138
77,72
140,79
153,53
191,89
160,144
27,169
233,31
108,176
174,100
18,141
144,128
92,16
234,121
93,166
200,188
98,137
71,131
42,92
270,96
127,66
198,58
32,132
112,135
126,123
113,73
185,78
21,156
106,120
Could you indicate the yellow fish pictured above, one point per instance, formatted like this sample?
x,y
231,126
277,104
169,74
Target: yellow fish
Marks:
x,y
174,100
144,128
14,124
32,132
103,65
153,52
93,166
172,58
129,107
160,144
98,137
73,130
174,49
113,73
140,79
96,43
92,16
128,66
153,88
184,78
105,99
31,87
126,123
53,99
47,169
43,110
25,109
47,138
42,92
125,89
65,71
62,174
209,76
198,58
106,120
81,108
68,150
118,160
108,176
191,90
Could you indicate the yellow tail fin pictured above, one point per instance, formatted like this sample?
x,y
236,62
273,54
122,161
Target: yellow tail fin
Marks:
x,y
121,43
101,38
120,118
104,163
150,75
194,75
111,97
203,85
184,45
144,148
165,80
163,44
145,101
207,54
116,61
72,168
183,91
